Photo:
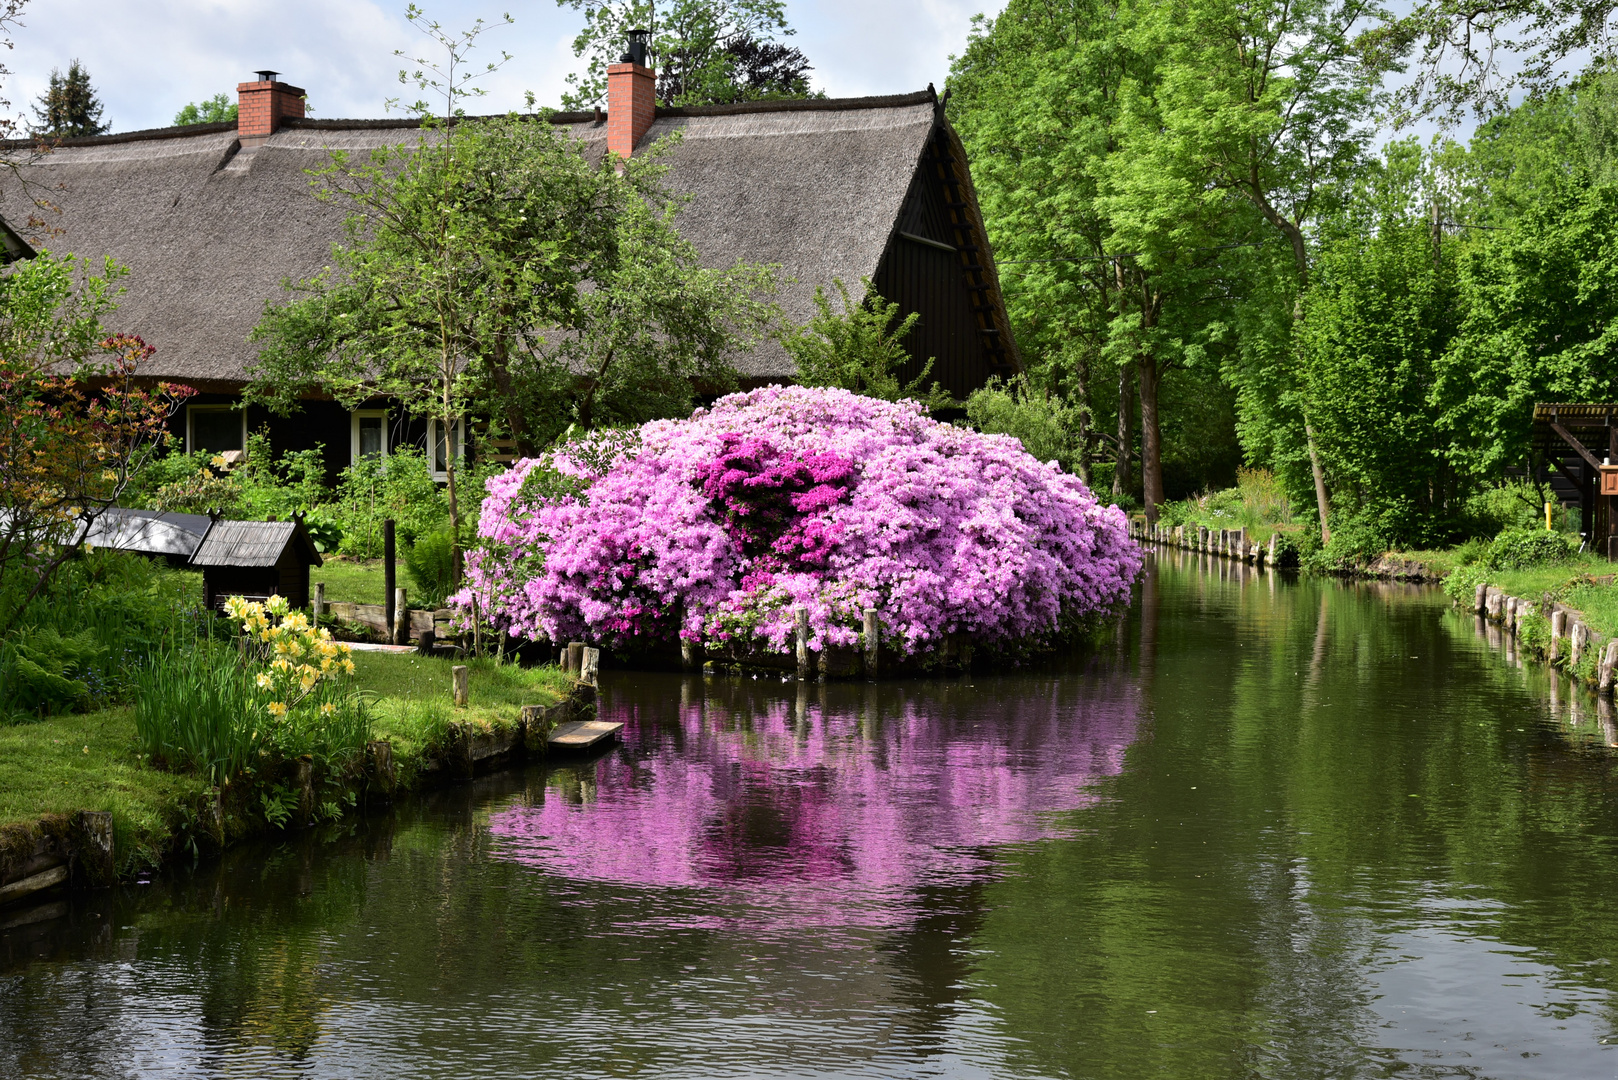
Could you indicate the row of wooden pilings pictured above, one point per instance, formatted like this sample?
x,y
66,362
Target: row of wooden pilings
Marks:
x,y
1229,543
1569,636
863,659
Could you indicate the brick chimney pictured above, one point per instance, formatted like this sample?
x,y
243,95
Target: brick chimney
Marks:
x,y
262,105
631,97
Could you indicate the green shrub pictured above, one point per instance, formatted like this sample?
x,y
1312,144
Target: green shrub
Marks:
x,y
399,486
1519,549
1461,584
1356,540
1045,425
50,669
77,646
197,710
324,530
1509,506
1471,552
430,561
1534,633
169,481
1257,503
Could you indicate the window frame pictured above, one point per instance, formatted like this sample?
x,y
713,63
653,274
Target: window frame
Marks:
x,y
190,425
355,416
459,448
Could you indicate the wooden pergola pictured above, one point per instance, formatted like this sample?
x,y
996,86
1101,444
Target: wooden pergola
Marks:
x,y
1580,440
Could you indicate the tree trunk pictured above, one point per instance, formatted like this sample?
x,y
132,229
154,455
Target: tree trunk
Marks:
x,y
1151,438
446,431
1081,378
1121,481
504,385
1322,504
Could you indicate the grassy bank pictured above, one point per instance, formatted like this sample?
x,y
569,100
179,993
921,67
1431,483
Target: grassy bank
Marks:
x,y
88,762
413,702
1580,583
63,764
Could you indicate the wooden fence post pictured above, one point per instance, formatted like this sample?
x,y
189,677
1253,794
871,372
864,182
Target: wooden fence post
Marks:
x,y
590,668
575,658
1558,632
401,618
802,616
460,677
873,642
1609,660
320,600
389,573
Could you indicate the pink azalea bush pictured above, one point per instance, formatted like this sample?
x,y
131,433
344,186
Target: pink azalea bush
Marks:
x,y
713,528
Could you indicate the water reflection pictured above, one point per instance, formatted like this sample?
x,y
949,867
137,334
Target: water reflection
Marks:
x,y
833,805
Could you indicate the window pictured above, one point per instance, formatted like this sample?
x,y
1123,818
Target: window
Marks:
x,y
370,434
214,429
441,452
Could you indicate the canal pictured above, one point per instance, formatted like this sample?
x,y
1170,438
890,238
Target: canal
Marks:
x,y
1274,828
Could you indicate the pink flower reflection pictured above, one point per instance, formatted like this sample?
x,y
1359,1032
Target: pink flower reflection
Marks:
x,y
834,818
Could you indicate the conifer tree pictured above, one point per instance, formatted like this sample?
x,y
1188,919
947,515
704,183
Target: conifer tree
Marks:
x,y
69,106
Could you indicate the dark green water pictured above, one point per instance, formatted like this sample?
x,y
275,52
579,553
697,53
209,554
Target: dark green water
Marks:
x,y
1276,829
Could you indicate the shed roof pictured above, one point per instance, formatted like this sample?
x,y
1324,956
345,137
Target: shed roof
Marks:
x,y
211,231
149,532
253,544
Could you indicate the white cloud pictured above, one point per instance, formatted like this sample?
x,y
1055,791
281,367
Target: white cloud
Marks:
x,y
861,47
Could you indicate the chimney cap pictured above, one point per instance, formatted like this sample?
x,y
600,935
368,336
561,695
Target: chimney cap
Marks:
x,y
266,76
639,44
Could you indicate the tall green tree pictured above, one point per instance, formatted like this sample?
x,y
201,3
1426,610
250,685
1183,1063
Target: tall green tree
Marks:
x,y
69,106
705,51
1540,301
1035,96
1380,313
1271,105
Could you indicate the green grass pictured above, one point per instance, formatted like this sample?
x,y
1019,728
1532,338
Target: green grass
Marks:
x,y
355,581
348,581
413,701
88,762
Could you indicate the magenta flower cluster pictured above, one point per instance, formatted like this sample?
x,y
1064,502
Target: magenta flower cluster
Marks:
x,y
714,528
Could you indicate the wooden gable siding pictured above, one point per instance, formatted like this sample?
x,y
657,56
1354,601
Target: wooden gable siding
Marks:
x,y
947,282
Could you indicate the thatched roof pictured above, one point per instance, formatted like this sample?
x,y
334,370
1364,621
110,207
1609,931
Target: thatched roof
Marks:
x,y
210,232
253,544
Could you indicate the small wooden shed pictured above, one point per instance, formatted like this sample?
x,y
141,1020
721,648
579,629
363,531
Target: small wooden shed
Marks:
x,y
256,559
1580,440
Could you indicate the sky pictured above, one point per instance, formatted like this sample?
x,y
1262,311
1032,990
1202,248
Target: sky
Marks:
x,y
148,58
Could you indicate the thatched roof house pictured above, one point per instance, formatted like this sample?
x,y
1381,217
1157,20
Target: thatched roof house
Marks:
x,y
211,219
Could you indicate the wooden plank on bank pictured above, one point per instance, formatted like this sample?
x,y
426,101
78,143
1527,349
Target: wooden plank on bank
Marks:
x,y
583,734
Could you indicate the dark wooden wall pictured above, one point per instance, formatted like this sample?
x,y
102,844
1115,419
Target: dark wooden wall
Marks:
x,y
937,283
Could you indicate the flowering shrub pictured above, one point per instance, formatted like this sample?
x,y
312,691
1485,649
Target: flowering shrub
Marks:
x,y
295,658
714,528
